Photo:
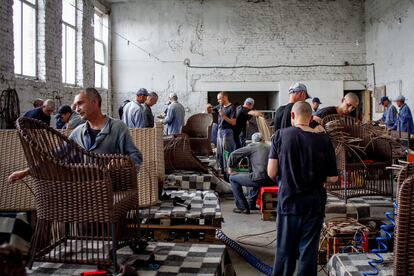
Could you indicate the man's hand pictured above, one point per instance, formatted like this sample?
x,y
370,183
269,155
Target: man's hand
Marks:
x,y
17,175
231,172
221,112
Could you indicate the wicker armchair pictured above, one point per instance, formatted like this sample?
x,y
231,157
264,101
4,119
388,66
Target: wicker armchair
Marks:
x,y
364,174
198,129
82,199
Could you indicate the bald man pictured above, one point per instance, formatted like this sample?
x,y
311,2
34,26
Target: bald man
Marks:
x,y
304,159
348,104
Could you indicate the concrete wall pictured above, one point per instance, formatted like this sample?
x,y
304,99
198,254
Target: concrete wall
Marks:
x,y
49,84
390,45
233,33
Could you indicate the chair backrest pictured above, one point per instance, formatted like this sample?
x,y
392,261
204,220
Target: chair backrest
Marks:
x,y
198,124
404,235
263,128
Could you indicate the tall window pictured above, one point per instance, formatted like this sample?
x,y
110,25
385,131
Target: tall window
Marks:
x,y
24,32
101,50
69,41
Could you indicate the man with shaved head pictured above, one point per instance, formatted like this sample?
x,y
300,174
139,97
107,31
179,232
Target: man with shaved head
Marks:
x,y
303,159
348,104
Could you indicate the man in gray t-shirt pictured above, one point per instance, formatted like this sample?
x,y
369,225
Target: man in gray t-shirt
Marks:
x,y
257,154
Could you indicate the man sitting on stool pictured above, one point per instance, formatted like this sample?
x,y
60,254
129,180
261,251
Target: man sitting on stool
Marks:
x,y
257,153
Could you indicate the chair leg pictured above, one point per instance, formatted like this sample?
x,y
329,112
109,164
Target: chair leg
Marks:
x,y
114,247
33,247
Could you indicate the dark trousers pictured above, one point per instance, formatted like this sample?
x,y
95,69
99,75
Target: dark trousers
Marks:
x,y
297,239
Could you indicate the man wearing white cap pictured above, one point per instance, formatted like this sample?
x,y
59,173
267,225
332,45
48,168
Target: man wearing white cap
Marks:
x,y
297,92
404,120
134,112
243,114
175,115
257,152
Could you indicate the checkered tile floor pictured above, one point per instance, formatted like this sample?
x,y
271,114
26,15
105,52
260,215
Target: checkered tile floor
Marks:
x,y
174,259
350,264
191,180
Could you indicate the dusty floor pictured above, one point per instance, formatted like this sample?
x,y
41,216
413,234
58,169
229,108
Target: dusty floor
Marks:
x,y
236,225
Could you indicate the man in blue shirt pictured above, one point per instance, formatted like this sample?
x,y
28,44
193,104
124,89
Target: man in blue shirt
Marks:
x,y
134,112
404,122
389,117
42,113
175,116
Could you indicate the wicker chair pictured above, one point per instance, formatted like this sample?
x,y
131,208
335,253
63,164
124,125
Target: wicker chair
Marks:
x,y
82,199
404,237
357,178
198,129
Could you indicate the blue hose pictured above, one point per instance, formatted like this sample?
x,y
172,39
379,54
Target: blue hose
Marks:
x,y
387,229
251,259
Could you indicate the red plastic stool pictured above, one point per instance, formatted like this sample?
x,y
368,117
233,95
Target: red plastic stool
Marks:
x,y
270,189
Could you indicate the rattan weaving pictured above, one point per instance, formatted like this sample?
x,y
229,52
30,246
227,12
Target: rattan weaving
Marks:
x,y
404,236
82,198
178,155
13,196
361,172
263,128
198,129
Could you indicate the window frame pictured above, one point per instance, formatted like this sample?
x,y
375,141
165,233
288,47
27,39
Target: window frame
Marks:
x,y
35,6
64,55
105,50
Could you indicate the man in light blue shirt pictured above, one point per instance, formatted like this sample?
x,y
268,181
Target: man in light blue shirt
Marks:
x,y
134,112
389,117
175,116
404,121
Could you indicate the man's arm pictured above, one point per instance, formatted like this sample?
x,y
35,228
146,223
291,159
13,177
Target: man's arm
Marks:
x,y
17,175
237,155
272,169
170,115
331,179
231,121
255,113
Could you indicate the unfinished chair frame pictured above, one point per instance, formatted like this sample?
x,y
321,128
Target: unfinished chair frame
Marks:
x,y
355,177
84,201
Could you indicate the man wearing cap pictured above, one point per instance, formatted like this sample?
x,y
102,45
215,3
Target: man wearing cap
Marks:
x,y
42,113
257,153
304,160
315,105
348,104
152,99
134,112
297,92
390,113
175,115
70,118
243,114
404,120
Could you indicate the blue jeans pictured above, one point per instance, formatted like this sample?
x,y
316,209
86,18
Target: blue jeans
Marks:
x,y
297,239
214,130
225,142
239,180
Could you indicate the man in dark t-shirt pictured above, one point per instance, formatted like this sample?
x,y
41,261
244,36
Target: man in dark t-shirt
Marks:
x,y
225,137
42,113
243,114
348,104
303,159
297,92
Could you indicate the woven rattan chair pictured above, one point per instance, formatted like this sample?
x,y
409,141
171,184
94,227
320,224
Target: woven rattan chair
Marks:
x,y
178,155
198,129
404,235
82,199
357,178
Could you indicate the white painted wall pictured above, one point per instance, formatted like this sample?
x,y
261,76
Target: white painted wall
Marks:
x,y
232,33
390,45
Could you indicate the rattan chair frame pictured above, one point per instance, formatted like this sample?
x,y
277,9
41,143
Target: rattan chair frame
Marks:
x,y
356,178
198,128
82,199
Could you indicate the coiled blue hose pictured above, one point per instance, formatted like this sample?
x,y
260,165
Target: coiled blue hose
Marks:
x,y
251,259
387,229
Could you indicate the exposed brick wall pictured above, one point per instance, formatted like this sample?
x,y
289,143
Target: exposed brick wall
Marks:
x,y
49,84
228,33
